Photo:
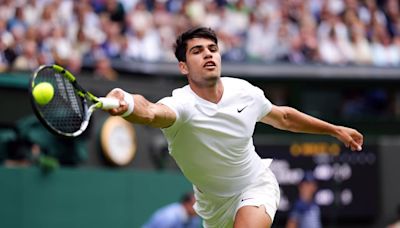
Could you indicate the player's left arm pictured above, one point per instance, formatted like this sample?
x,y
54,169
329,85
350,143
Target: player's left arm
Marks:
x,y
290,119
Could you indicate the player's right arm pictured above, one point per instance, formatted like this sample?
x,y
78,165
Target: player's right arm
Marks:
x,y
145,112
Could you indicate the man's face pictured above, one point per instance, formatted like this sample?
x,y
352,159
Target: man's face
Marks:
x,y
190,208
307,190
203,62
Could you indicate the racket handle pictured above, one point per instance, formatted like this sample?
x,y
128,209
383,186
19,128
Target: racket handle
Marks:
x,y
109,103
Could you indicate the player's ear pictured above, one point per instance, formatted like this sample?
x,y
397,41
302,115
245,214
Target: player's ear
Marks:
x,y
183,68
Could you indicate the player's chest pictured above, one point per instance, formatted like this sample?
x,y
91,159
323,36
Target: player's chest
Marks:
x,y
234,120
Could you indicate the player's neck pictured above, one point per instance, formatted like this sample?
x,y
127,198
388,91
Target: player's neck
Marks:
x,y
210,93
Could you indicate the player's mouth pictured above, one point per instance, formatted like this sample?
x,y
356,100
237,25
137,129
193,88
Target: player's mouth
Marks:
x,y
210,65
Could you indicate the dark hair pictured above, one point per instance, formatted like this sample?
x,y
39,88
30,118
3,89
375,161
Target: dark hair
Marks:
x,y
197,32
308,177
187,197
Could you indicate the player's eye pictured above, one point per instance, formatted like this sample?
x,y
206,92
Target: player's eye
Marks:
x,y
196,51
213,48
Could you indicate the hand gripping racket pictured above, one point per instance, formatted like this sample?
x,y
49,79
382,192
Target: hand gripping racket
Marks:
x,y
68,112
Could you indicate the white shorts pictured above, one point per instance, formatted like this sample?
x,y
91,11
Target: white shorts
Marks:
x,y
220,212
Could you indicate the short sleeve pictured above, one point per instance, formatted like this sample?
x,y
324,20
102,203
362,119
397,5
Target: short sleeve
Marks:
x,y
172,103
264,104
178,103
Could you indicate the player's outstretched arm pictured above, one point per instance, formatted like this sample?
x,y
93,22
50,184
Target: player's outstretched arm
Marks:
x,y
287,118
144,112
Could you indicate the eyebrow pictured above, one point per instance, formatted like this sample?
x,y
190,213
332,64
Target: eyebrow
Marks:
x,y
201,46
194,47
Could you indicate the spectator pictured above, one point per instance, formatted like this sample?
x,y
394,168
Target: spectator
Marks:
x,y
112,44
103,69
370,13
213,17
392,10
28,60
162,23
142,36
32,11
89,22
7,54
145,39
176,215
361,49
332,23
82,43
309,40
334,50
47,21
74,63
195,10
296,54
363,33
7,9
116,12
18,19
59,45
384,52
257,48
305,212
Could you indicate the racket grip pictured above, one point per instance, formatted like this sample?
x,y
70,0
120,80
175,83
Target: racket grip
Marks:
x,y
109,103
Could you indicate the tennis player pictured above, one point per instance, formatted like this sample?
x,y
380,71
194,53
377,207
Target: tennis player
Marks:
x,y
209,125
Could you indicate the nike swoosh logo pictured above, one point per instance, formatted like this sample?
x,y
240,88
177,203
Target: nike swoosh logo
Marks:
x,y
240,110
245,199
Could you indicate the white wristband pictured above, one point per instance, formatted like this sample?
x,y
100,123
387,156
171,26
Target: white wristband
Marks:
x,y
131,104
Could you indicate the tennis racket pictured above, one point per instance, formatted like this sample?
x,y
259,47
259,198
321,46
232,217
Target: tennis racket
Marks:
x,y
68,112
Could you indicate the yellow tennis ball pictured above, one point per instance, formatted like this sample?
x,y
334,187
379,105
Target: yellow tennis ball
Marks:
x,y
43,93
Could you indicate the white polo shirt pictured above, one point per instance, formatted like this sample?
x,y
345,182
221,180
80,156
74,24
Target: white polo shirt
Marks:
x,y
212,143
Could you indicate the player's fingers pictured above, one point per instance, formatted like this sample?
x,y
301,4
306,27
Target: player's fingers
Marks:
x,y
354,146
118,93
123,107
358,139
350,143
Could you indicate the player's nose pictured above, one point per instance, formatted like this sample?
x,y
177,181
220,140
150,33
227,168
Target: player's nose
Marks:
x,y
207,54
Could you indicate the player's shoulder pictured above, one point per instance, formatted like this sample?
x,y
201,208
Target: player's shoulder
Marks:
x,y
236,83
181,96
182,92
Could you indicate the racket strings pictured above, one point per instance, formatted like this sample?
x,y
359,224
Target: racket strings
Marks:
x,y
66,111
67,92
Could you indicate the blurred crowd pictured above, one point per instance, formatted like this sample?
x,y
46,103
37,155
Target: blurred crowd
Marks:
x,y
342,32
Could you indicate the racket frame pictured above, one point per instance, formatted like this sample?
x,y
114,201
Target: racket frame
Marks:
x,y
82,93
